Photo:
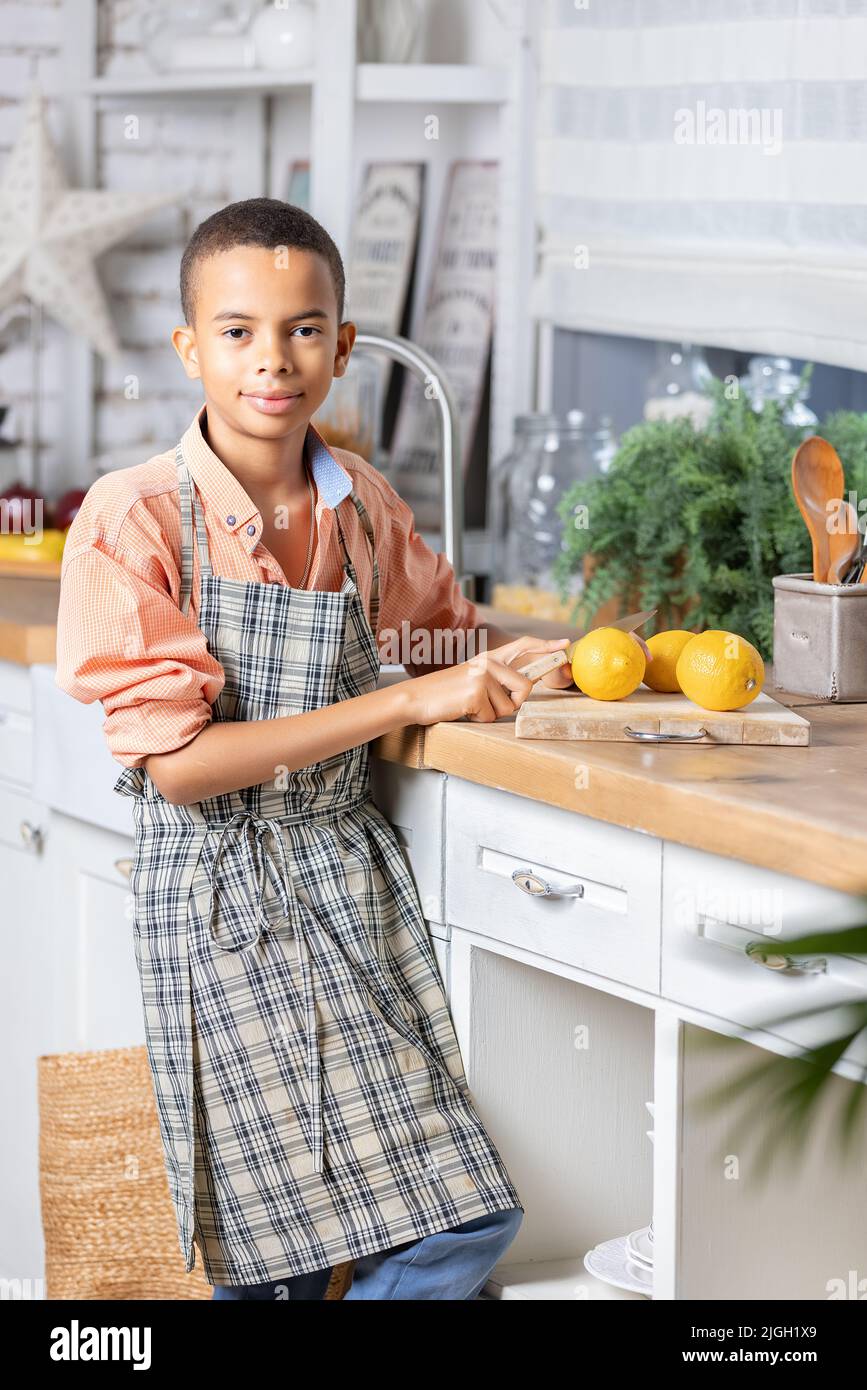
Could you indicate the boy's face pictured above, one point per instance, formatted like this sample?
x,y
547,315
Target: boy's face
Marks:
x,y
265,326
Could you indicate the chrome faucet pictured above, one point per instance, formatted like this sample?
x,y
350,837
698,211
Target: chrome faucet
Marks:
x,y
428,371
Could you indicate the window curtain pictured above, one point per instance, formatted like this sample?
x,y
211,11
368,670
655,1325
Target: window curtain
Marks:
x,y
701,173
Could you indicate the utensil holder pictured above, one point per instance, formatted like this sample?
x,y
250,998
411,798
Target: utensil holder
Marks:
x,y
820,638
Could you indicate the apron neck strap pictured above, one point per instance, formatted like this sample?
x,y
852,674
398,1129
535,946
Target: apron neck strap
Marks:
x,y
189,511
368,530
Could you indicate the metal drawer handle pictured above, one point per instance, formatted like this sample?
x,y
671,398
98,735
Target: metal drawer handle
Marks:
x,y
539,887
32,836
758,952
124,867
648,737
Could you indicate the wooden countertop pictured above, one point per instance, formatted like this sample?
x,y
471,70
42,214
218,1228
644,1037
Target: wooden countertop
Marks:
x,y
794,810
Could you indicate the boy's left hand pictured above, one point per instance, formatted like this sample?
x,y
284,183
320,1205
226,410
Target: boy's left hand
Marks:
x,y
521,650
561,677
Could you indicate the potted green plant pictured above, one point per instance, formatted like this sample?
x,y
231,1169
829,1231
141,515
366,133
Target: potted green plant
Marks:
x,y
695,522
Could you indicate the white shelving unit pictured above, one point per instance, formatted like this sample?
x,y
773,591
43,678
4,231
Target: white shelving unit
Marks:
x,y
340,115
468,83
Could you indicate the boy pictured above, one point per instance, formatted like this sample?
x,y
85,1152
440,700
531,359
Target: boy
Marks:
x,y
225,601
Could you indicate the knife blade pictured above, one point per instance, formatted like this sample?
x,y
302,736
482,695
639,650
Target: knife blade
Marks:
x,y
534,670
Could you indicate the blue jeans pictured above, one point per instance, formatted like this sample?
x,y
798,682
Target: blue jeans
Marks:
x,y
452,1264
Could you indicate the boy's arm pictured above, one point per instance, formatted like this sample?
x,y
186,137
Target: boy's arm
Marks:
x,y
229,755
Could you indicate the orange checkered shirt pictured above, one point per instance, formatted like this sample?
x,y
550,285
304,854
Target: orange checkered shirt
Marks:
x,y
121,636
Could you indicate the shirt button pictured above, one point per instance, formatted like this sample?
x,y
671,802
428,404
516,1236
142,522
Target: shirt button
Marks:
x,y
231,520
251,530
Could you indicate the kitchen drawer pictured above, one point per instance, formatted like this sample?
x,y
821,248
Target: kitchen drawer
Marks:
x,y
94,985
16,747
712,907
611,928
412,800
22,822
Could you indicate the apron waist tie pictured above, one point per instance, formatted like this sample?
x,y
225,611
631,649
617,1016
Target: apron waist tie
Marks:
x,y
264,827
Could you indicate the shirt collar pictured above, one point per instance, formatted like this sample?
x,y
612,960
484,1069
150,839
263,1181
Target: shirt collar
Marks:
x,y
230,503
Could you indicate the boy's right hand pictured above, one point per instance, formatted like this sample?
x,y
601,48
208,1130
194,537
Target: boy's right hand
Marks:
x,y
482,689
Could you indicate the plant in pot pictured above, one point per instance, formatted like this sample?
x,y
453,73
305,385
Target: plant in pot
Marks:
x,y
696,522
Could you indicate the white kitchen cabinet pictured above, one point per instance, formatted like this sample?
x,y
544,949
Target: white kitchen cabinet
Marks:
x,y
16,726
96,998
800,1232
563,1050
68,982
26,1027
560,1074
413,801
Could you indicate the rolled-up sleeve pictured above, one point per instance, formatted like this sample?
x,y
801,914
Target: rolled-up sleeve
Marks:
x,y
123,640
419,585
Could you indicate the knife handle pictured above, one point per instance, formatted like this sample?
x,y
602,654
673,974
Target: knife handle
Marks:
x,y
542,665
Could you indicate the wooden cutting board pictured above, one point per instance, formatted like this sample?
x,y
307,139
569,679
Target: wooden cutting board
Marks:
x,y
765,720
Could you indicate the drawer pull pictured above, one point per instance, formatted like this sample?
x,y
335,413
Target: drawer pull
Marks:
x,y
759,954
124,867
648,737
32,836
538,887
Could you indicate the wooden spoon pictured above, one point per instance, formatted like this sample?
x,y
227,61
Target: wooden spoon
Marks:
x,y
817,478
844,540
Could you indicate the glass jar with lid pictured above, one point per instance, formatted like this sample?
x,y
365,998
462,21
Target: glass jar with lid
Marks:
x,y
546,459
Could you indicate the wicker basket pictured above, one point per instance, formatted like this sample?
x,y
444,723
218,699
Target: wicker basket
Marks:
x,y
107,1214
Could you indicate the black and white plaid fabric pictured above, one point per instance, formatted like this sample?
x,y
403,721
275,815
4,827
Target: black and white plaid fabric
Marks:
x,y
312,1099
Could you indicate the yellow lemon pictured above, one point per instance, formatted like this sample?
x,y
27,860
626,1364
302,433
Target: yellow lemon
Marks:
x,y
720,670
608,664
665,648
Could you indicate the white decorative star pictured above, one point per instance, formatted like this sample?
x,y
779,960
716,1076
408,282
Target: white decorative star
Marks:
x,y
50,233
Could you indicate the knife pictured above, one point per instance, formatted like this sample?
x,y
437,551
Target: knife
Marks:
x,y
540,667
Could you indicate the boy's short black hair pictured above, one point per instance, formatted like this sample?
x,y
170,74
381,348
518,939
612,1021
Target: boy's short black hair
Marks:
x,y
258,222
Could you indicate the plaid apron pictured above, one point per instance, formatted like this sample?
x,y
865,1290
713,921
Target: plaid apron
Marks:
x,y
312,1100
